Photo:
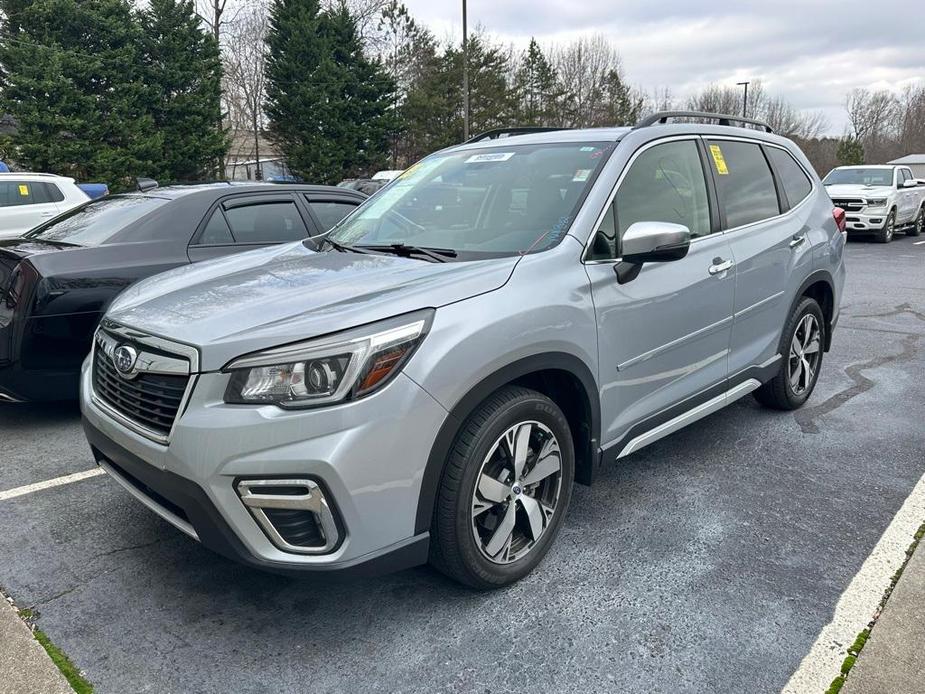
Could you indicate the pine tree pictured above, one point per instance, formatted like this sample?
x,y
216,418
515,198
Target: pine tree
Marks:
x,y
184,67
74,82
850,151
620,103
329,107
537,87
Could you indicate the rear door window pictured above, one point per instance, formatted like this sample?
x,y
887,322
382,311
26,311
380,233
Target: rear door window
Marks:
x,y
16,193
746,186
794,180
258,222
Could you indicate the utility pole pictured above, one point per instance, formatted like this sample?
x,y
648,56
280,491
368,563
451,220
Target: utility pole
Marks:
x,y
744,98
465,58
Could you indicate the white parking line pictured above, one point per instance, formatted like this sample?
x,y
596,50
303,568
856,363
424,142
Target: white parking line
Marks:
x,y
917,243
857,605
47,484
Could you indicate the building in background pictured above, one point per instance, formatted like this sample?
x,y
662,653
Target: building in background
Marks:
x,y
241,163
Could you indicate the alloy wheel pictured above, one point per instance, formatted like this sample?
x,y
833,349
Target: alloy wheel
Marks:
x,y
890,226
919,222
517,492
805,353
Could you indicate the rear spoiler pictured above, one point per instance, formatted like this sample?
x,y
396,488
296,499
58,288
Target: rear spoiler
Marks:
x,y
145,184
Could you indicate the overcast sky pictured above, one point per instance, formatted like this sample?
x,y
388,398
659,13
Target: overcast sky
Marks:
x,y
813,53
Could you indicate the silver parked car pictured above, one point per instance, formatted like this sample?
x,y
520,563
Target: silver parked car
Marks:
x,y
505,317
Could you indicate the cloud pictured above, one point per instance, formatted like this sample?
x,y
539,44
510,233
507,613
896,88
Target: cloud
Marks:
x,y
811,53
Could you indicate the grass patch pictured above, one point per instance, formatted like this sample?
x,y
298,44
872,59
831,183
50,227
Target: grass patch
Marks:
x,y
861,639
64,664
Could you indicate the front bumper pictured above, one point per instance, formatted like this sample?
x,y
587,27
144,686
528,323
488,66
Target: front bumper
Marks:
x,y
369,457
865,222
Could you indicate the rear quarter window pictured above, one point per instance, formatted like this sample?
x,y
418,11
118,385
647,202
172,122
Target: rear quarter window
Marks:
x,y
794,180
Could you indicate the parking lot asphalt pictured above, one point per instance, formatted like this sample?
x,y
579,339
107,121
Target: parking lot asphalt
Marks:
x,y
708,561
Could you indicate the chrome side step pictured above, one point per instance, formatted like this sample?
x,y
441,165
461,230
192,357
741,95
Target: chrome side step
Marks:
x,y
692,415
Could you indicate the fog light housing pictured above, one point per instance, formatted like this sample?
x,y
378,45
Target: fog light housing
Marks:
x,y
294,514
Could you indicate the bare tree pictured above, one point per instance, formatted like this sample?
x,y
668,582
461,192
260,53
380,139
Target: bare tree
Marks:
x,y
912,119
212,14
244,84
596,91
872,115
774,110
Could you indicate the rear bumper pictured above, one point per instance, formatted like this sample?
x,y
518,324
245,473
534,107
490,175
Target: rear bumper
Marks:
x,y
187,506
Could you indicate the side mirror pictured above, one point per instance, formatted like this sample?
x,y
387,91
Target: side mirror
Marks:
x,y
651,242
910,183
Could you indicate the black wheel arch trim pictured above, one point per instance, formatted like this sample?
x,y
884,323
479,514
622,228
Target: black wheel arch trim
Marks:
x,y
814,278
586,460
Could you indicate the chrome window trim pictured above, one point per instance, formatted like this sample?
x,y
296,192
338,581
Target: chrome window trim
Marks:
x,y
721,232
102,338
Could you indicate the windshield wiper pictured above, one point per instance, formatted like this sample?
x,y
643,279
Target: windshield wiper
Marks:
x,y
439,255
342,247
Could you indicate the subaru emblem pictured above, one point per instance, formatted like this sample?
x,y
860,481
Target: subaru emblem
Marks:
x,y
123,358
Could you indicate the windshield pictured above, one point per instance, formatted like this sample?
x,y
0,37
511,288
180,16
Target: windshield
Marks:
x,y
97,221
482,202
859,177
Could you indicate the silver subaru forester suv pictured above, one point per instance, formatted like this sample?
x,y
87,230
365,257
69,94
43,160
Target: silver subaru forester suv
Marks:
x,y
426,381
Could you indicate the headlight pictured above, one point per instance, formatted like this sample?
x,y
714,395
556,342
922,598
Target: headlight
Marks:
x,y
345,366
876,202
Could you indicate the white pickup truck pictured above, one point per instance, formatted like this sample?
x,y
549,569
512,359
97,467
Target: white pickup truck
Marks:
x,y
878,200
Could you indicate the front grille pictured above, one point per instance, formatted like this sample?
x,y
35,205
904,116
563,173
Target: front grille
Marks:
x,y
150,400
849,204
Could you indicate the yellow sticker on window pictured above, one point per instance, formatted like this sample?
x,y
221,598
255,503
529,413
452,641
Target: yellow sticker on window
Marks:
x,y
24,190
719,160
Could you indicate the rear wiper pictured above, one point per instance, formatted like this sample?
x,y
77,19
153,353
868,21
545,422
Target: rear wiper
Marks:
x,y
438,255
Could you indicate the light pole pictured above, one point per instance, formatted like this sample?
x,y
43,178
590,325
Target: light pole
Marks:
x,y
465,58
744,98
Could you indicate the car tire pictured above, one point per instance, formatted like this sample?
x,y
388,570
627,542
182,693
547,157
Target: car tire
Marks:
x,y
885,235
803,343
476,536
917,225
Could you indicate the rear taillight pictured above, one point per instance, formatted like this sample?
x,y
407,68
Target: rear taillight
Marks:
x,y
840,221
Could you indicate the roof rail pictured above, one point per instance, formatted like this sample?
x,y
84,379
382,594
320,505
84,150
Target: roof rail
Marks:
x,y
499,133
662,117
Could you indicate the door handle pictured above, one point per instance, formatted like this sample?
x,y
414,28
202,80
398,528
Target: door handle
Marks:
x,y
719,265
796,241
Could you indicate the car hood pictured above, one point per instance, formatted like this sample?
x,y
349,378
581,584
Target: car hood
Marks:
x,y
845,190
273,296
